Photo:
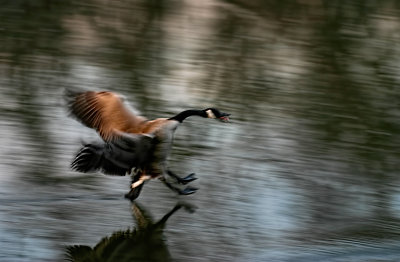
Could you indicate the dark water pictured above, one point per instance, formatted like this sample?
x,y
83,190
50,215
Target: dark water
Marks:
x,y
307,170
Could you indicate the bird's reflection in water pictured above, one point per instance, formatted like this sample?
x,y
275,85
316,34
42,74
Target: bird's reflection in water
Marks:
x,y
143,243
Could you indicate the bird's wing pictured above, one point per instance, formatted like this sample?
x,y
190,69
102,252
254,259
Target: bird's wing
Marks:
x,y
103,111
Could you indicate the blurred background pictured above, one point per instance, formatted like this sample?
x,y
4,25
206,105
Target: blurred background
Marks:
x,y
307,170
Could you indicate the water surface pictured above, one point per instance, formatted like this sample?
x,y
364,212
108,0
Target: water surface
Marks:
x,y
307,170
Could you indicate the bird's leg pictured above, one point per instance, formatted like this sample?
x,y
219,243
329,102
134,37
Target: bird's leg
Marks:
x,y
137,184
140,181
182,180
186,191
134,192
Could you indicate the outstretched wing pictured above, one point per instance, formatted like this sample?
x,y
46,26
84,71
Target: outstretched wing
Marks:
x,y
103,111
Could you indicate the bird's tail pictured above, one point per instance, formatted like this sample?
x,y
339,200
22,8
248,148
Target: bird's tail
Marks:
x,y
88,159
102,157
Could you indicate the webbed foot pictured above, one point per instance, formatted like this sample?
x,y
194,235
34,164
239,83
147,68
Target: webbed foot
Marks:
x,y
187,179
134,192
183,180
187,191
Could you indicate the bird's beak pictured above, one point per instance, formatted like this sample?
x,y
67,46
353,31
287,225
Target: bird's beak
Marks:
x,y
224,117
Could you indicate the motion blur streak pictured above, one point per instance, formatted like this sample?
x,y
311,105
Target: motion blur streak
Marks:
x,y
309,167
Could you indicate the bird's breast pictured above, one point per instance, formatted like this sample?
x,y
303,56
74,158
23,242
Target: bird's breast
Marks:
x,y
164,135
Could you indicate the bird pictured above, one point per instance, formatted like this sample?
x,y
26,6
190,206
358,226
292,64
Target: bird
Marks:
x,y
131,144
144,242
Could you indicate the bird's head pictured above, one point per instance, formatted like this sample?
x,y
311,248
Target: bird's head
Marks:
x,y
216,114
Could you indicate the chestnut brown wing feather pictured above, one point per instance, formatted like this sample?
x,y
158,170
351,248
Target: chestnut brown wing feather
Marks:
x,y
105,112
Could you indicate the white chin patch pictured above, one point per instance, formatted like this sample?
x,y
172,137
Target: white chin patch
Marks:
x,y
210,114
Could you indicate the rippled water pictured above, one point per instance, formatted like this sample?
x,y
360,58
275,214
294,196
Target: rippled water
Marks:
x,y
307,170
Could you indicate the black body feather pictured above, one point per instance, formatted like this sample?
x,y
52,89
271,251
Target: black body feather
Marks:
x,y
116,157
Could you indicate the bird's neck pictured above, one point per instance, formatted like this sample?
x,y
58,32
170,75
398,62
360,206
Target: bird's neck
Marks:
x,y
184,114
